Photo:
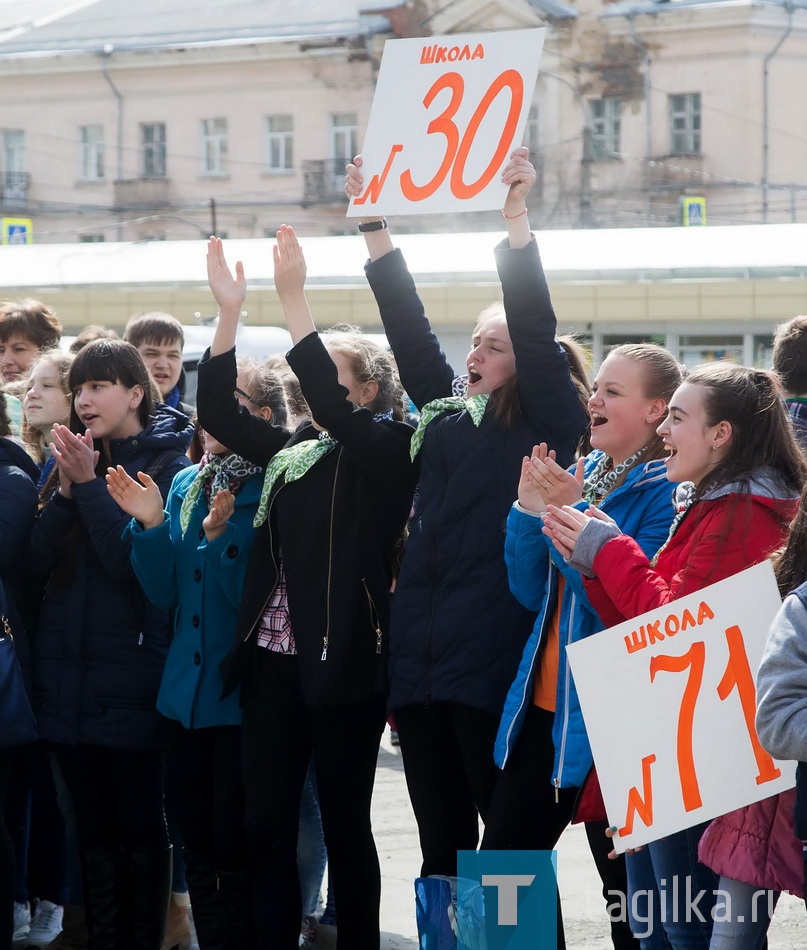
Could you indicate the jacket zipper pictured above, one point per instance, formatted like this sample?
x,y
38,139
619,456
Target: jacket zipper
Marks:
x,y
271,593
330,563
373,616
529,678
567,683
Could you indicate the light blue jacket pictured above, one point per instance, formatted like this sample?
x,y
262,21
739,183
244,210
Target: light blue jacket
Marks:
x,y
203,583
642,506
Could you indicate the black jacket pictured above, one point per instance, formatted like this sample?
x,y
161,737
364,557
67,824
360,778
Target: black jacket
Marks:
x,y
337,527
18,501
457,633
100,647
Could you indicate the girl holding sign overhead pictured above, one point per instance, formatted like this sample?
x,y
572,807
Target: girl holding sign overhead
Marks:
x,y
732,446
456,632
542,745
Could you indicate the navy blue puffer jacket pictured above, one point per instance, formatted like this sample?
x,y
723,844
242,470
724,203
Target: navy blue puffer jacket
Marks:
x,y
100,647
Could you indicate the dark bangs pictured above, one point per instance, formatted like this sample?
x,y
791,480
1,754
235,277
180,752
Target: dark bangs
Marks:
x,y
112,361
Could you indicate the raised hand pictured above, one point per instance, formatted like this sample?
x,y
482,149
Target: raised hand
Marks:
x,y
556,486
354,182
519,174
75,455
230,292
530,496
290,266
220,513
141,500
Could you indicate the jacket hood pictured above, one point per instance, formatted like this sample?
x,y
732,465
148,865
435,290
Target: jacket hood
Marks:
x,y
11,453
169,429
764,485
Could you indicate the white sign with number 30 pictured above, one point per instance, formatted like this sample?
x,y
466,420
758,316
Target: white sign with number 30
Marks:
x,y
446,115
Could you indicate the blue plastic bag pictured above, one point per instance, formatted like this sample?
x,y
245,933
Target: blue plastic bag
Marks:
x,y
450,913
470,916
433,898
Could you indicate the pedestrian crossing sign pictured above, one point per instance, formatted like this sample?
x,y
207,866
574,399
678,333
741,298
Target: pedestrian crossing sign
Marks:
x,y
694,212
16,231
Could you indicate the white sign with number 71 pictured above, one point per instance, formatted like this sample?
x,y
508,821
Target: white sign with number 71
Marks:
x,y
446,114
669,700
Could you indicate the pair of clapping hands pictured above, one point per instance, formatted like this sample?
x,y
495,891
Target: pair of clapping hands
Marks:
x,y
77,457
548,490
143,501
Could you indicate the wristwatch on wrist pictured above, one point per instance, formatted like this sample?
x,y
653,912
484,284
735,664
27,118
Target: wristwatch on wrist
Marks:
x,y
373,226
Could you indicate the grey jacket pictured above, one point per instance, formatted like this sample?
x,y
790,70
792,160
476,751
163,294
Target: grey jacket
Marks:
x,y
782,682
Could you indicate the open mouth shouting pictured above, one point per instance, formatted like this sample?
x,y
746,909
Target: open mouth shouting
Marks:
x,y
597,420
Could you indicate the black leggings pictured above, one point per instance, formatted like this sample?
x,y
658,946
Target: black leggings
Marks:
x,y
280,734
117,795
204,778
6,860
528,813
447,751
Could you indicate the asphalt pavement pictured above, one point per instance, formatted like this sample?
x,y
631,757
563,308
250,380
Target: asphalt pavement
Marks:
x,y
583,906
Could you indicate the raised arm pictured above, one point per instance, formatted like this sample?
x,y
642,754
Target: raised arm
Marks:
x,y
219,411
290,271
230,293
376,236
425,371
380,449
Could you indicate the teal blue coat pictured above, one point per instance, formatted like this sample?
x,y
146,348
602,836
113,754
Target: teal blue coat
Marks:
x,y
202,582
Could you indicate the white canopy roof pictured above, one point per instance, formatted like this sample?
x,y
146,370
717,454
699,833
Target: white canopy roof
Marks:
x,y
624,254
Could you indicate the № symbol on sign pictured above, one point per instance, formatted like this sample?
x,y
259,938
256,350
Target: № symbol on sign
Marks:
x,y
457,149
736,675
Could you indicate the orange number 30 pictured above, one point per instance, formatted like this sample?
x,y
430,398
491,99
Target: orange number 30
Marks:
x,y
458,150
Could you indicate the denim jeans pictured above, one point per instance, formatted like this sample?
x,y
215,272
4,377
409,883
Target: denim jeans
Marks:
x,y
644,906
682,893
742,916
311,853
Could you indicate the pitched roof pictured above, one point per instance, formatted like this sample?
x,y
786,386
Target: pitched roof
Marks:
x,y
74,26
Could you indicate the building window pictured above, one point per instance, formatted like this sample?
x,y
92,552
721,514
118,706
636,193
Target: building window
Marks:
x,y
344,137
694,350
13,152
214,146
152,142
685,124
91,238
280,143
91,152
531,136
606,127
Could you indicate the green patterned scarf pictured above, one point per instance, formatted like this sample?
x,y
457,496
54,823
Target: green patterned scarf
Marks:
x,y
293,462
215,473
475,405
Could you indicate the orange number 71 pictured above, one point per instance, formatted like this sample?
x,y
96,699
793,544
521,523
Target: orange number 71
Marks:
x,y
737,674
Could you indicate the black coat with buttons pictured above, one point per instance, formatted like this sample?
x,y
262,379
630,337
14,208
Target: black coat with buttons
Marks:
x,y
337,527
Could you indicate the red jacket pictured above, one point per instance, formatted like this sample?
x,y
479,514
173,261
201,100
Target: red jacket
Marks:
x,y
757,845
718,537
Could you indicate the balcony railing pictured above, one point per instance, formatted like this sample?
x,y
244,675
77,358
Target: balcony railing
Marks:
x,y
15,186
674,171
142,193
323,180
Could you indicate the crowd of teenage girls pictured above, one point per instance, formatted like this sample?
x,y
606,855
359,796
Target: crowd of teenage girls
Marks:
x,y
208,609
